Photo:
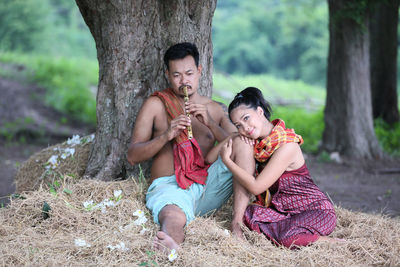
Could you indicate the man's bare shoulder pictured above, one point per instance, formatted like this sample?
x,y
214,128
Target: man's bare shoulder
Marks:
x,y
153,105
217,107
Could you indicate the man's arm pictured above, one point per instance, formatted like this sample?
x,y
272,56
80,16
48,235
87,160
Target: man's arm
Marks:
x,y
223,127
143,146
219,123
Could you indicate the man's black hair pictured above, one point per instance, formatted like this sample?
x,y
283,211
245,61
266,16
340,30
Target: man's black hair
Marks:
x,y
180,51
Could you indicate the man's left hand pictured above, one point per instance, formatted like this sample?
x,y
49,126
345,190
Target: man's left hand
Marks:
x,y
200,111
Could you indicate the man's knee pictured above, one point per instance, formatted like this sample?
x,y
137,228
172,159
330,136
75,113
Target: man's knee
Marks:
x,y
172,212
243,155
241,148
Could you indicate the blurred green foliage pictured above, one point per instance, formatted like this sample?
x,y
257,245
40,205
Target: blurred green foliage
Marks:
x,y
68,82
388,136
288,39
279,46
50,27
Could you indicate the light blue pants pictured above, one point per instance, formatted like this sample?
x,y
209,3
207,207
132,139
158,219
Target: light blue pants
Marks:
x,y
197,199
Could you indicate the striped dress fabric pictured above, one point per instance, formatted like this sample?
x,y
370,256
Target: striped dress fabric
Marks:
x,y
299,212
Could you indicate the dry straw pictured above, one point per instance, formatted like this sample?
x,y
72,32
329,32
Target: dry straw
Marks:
x,y
29,236
30,240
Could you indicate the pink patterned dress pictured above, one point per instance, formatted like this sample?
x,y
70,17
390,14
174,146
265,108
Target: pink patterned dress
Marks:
x,y
299,212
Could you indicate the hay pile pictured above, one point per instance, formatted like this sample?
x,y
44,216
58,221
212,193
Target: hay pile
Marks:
x,y
33,172
30,240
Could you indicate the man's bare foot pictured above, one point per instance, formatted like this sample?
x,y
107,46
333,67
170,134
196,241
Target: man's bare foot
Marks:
x,y
164,242
237,230
330,239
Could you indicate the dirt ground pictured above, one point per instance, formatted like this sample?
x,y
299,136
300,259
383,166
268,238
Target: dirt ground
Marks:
x,y
27,125
368,187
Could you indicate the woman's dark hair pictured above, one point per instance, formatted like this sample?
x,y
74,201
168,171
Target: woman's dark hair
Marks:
x,y
252,98
180,51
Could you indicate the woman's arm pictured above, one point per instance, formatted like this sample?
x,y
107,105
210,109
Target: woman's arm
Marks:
x,y
285,156
212,155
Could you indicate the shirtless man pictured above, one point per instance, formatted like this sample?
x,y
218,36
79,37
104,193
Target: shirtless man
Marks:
x,y
153,137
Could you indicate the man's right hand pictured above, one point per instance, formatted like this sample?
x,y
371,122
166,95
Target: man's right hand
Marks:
x,y
177,125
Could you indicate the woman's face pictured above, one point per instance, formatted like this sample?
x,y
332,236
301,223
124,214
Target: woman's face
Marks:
x,y
248,121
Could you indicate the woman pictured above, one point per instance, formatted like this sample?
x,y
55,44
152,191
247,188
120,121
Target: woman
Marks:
x,y
298,213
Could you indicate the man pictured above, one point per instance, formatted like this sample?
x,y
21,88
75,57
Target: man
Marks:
x,y
183,185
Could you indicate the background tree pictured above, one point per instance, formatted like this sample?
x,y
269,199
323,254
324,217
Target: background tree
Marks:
x,y
22,24
383,51
131,38
348,111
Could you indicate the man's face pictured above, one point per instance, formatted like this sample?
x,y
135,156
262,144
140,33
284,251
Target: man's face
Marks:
x,y
184,72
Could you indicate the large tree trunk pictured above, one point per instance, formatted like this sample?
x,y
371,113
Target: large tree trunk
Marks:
x,y
131,37
348,113
383,35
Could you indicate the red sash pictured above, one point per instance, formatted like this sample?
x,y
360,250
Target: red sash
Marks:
x,y
188,160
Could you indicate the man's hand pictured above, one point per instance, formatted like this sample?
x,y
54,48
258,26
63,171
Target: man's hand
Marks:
x,y
200,111
177,125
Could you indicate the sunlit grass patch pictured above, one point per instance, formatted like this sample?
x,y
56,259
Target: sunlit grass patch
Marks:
x,y
69,82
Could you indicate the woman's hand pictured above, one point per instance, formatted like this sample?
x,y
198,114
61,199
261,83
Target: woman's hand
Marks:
x,y
247,140
226,150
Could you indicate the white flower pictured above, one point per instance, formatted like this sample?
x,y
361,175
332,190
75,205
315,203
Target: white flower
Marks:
x,y
53,162
121,246
75,140
81,243
138,213
172,255
117,193
144,229
69,151
88,204
140,220
226,232
91,137
108,203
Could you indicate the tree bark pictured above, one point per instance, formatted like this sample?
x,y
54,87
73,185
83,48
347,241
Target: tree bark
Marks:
x,y
348,113
131,38
383,40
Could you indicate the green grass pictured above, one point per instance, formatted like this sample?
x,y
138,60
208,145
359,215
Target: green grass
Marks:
x,y
67,82
276,91
310,125
388,136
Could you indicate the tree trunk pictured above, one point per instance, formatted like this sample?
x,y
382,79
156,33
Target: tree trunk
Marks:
x,y
348,113
131,38
383,40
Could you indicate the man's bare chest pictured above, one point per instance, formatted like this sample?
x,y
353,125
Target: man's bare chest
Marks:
x,y
201,132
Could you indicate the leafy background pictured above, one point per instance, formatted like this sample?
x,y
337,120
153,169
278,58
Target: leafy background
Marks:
x,y
279,46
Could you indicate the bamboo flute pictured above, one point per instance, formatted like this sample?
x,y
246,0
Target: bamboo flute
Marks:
x,y
186,99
